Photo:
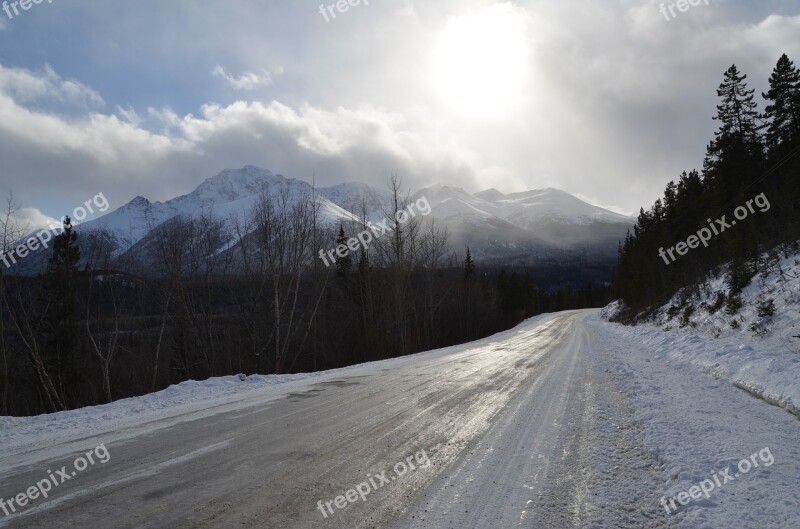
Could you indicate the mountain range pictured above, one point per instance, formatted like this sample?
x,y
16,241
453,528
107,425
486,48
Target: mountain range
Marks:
x,y
521,228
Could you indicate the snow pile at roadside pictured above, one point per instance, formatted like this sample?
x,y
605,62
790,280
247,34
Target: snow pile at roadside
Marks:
x,y
754,350
178,399
697,429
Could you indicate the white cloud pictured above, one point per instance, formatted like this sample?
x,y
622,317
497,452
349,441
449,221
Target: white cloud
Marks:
x,y
620,102
129,115
27,86
121,154
248,81
30,219
406,10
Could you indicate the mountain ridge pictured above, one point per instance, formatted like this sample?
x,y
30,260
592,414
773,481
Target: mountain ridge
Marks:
x,y
499,227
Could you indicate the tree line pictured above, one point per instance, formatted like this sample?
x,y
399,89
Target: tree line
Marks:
x,y
203,296
752,152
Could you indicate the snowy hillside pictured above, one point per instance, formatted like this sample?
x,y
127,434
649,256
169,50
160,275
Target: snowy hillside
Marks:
x,y
517,229
540,221
757,348
357,196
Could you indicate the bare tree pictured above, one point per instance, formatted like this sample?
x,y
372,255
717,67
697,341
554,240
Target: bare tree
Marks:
x,y
22,317
254,274
28,328
319,276
208,263
433,248
9,233
168,249
398,252
285,233
105,349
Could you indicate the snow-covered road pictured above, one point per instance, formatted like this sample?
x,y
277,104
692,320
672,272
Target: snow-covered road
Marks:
x,y
555,423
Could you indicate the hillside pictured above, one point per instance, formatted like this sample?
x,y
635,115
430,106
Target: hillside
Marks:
x,y
755,343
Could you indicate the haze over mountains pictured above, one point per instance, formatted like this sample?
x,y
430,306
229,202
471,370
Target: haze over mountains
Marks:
x,y
513,229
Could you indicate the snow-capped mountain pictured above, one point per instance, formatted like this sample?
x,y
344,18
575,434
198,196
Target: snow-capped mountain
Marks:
x,y
231,193
358,198
519,226
516,228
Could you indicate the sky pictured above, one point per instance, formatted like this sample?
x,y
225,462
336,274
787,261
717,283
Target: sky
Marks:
x,y
608,100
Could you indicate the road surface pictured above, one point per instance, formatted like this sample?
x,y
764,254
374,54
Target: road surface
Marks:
x,y
495,435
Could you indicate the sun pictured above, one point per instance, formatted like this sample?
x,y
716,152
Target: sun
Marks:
x,y
481,61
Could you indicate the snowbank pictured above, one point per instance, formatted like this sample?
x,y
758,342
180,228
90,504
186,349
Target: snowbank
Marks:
x,y
756,351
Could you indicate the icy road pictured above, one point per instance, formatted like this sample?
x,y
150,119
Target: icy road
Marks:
x,y
536,427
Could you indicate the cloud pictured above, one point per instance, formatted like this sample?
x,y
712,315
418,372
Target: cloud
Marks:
x,y
127,154
129,115
248,81
30,219
406,10
27,86
619,101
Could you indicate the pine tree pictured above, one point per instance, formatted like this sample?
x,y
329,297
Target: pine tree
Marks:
x,y
469,300
469,267
735,156
60,308
783,113
738,112
344,265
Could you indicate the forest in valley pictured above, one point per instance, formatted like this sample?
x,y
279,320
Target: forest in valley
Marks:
x,y
753,153
94,328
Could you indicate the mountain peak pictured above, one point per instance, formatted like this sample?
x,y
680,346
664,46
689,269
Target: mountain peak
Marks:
x,y
234,184
138,203
490,194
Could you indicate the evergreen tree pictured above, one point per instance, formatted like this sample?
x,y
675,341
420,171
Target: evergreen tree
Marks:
x,y
344,265
738,113
469,267
469,297
736,151
783,112
735,156
734,162
59,311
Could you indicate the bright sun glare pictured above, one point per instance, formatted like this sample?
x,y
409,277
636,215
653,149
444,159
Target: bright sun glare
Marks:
x,y
481,61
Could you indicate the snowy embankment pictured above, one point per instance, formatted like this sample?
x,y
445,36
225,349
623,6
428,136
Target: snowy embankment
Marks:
x,y
698,427
131,416
756,349
681,371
